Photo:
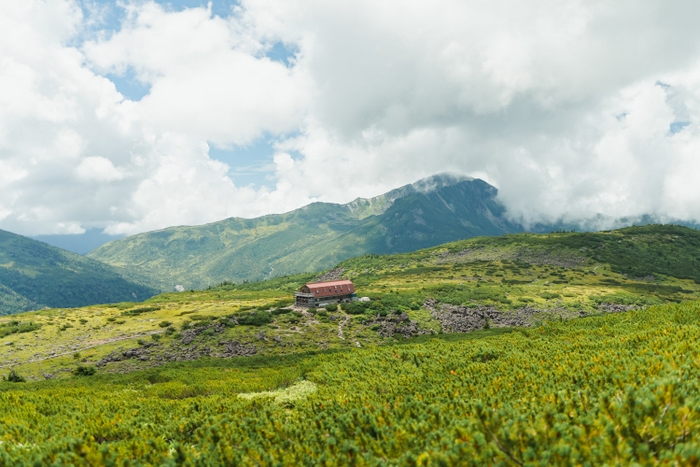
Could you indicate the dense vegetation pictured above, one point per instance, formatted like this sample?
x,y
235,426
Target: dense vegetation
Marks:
x,y
313,238
518,280
615,389
384,382
34,275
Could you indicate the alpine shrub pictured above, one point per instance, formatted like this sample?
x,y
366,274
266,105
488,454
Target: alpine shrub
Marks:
x,y
13,377
84,370
255,318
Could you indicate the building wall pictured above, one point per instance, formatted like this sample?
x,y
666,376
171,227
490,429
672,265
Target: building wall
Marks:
x,y
322,301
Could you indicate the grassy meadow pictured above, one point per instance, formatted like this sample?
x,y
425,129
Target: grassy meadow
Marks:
x,y
616,389
600,367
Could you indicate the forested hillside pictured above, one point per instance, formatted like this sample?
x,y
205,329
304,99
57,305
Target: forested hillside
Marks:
x,y
34,275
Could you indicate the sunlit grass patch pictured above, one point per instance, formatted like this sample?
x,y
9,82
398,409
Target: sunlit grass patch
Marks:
x,y
297,391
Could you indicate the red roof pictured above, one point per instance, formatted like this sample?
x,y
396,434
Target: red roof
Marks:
x,y
329,289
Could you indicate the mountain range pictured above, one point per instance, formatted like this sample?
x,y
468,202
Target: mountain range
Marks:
x,y
432,211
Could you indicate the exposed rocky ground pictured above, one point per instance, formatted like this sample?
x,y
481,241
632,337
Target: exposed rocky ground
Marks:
x,y
455,318
452,318
332,275
393,325
182,349
615,308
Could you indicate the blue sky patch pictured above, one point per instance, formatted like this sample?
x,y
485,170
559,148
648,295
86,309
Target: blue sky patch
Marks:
x,y
250,165
281,53
222,8
129,86
677,126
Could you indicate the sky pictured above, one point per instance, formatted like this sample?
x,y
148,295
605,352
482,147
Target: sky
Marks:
x,y
128,116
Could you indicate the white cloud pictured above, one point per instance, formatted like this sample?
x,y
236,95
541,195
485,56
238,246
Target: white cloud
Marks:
x,y
566,106
206,81
98,169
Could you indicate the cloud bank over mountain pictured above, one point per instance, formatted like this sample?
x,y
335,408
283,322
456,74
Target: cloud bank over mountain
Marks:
x,y
570,108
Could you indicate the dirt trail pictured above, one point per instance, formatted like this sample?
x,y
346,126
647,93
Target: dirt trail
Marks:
x,y
340,327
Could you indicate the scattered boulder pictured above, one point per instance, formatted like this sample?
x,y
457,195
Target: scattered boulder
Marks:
x,y
335,274
455,318
236,349
142,353
181,350
392,325
615,308
189,335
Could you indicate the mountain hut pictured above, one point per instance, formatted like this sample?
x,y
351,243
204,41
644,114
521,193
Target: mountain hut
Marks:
x,y
319,294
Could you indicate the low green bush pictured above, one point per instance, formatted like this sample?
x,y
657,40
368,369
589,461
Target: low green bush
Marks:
x,y
281,311
17,327
355,308
254,318
550,295
84,370
139,311
13,377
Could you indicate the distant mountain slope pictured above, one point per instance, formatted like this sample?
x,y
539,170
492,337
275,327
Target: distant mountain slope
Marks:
x,y
79,243
34,274
431,211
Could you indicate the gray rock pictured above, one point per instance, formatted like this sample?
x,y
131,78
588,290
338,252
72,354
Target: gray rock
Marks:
x,y
393,325
236,349
615,308
332,275
454,318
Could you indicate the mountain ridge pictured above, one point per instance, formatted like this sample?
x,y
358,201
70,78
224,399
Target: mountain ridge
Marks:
x,y
431,211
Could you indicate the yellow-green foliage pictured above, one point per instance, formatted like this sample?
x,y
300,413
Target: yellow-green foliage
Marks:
x,y
298,391
505,272
617,389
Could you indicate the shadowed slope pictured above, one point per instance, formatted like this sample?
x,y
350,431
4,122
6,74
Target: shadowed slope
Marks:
x,y
34,274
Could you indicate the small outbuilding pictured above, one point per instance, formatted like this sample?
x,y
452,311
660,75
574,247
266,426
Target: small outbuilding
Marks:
x,y
319,294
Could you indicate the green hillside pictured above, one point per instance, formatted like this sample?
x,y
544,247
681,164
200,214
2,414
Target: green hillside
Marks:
x,y
480,283
558,349
315,237
34,275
